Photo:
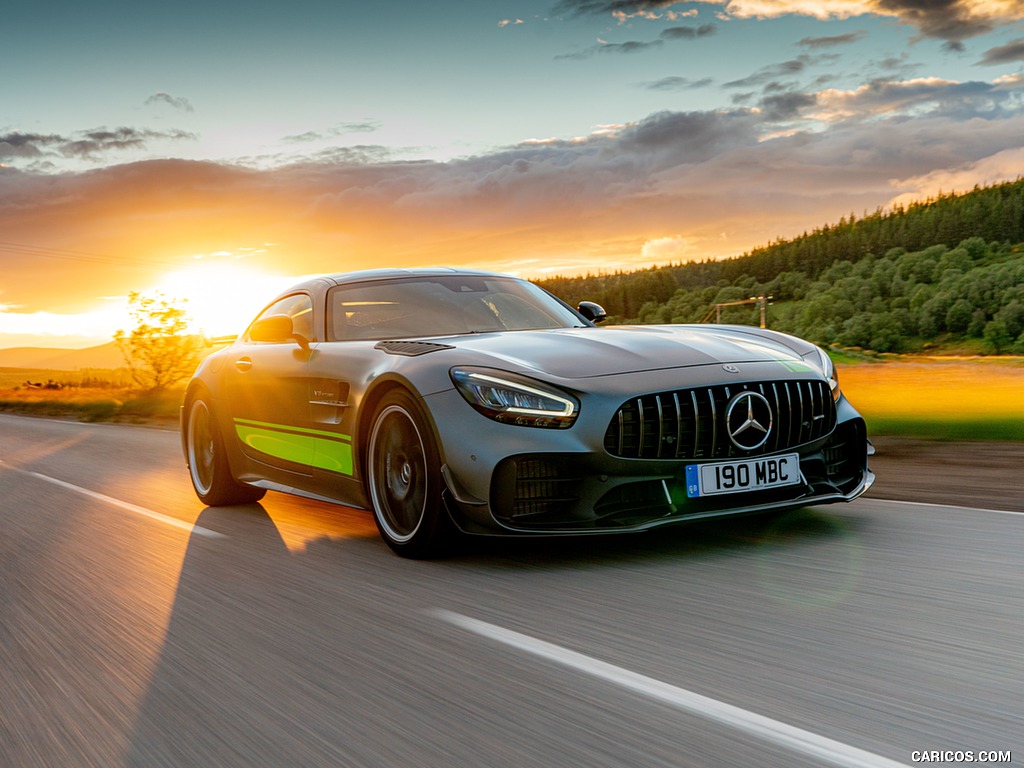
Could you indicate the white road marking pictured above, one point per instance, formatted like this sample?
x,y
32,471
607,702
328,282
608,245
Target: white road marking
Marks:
x,y
811,744
172,521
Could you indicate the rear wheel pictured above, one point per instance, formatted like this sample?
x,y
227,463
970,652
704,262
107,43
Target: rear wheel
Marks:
x,y
404,479
207,461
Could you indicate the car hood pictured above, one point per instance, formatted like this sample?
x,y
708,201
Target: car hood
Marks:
x,y
584,352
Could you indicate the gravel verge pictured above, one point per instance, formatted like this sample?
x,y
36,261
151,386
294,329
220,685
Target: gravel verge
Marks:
x,y
983,475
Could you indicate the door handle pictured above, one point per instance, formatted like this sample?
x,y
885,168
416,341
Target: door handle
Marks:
x,y
243,363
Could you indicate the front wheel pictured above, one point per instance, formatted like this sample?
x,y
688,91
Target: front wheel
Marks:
x,y
404,479
207,461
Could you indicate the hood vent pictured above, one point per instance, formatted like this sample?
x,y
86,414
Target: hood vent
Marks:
x,y
410,348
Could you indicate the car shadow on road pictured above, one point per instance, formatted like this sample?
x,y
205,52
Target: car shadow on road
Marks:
x,y
255,629
268,646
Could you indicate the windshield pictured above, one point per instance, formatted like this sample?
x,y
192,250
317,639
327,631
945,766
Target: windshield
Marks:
x,y
442,306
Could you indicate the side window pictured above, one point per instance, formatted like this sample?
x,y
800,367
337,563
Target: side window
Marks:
x,y
299,307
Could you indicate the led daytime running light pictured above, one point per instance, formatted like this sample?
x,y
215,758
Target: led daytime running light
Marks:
x,y
569,407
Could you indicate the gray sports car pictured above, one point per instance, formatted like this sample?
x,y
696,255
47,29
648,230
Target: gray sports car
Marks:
x,y
449,400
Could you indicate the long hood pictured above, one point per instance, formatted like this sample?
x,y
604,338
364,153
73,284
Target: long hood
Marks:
x,y
584,352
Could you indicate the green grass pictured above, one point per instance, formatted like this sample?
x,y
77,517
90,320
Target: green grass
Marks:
x,y
942,399
963,429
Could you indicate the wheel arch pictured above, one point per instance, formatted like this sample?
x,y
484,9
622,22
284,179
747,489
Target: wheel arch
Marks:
x,y
368,407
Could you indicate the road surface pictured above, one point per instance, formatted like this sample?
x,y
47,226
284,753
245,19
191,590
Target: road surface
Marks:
x,y
138,628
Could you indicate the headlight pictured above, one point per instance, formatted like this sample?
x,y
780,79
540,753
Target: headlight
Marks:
x,y
514,399
821,359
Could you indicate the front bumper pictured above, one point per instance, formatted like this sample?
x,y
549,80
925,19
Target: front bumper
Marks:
x,y
622,466
563,493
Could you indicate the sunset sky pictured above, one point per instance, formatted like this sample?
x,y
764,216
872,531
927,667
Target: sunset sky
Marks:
x,y
216,151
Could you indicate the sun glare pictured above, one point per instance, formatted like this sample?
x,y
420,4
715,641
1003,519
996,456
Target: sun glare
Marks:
x,y
221,298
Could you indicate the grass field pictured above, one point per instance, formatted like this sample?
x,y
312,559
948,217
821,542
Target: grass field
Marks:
x,y
946,399
104,402
16,377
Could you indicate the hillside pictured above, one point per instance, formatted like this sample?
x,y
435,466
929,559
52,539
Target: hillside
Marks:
x,y
104,356
995,214
946,273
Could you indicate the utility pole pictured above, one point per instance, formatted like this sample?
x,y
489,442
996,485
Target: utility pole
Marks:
x,y
762,300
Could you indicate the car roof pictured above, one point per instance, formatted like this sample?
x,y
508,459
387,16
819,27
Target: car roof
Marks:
x,y
363,275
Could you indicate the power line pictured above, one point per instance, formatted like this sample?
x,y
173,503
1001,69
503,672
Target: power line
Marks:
x,y
22,249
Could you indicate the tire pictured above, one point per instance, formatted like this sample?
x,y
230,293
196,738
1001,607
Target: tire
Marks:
x,y
404,479
207,461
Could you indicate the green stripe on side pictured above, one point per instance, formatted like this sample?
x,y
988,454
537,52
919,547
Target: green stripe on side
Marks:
x,y
287,428
333,456
300,446
297,448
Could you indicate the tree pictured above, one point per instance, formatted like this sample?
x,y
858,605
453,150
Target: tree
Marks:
x,y
158,351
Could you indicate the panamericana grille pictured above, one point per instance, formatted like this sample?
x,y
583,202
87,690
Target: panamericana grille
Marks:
x,y
690,423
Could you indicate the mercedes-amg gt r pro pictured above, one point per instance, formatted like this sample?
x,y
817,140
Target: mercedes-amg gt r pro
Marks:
x,y
452,400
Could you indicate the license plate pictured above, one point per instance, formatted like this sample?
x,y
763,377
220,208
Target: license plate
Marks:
x,y
742,476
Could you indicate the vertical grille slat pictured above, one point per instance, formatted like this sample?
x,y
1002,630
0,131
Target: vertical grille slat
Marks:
x,y
714,422
790,437
696,424
640,424
661,425
690,423
679,424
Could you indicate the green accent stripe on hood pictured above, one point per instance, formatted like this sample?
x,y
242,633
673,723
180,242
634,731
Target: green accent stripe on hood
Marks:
x,y
309,447
796,366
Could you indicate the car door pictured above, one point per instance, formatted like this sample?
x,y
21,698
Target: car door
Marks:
x,y
267,388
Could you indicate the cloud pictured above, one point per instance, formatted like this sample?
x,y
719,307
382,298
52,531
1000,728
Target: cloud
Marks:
x,y
340,129
950,20
88,145
1007,165
688,33
675,248
677,83
830,42
91,144
628,8
671,185
767,74
177,102
1004,54
964,100
787,106
638,46
27,145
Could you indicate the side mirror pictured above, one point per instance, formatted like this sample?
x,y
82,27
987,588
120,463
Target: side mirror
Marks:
x,y
593,312
276,329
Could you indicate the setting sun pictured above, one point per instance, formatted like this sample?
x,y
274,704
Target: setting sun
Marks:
x,y
221,297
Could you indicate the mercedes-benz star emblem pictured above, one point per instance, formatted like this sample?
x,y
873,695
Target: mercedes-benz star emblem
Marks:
x,y
748,420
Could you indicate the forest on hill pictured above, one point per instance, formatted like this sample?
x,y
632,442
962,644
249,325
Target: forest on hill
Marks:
x,y
947,272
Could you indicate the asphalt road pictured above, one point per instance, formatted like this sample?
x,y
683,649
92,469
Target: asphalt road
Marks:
x,y
139,629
